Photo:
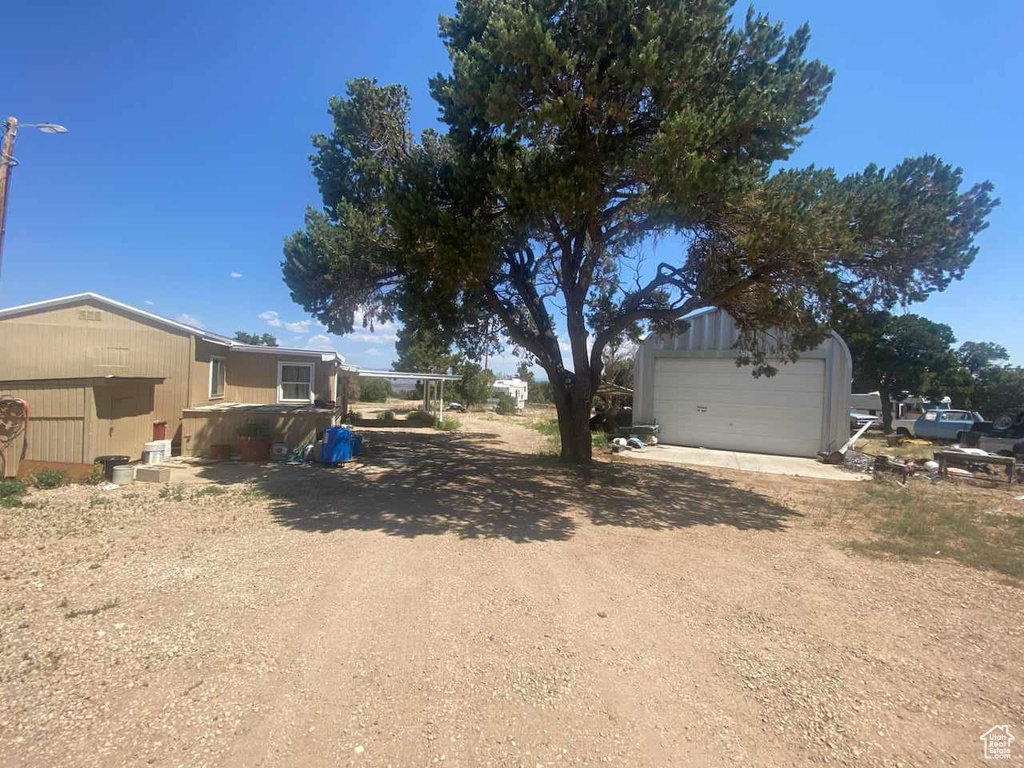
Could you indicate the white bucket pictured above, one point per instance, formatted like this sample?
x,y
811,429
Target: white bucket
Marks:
x,y
160,448
123,474
152,457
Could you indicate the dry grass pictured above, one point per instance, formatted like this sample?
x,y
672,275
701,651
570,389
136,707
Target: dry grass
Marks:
x,y
549,428
975,527
876,445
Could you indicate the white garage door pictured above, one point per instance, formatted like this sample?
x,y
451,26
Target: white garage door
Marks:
x,y
713,404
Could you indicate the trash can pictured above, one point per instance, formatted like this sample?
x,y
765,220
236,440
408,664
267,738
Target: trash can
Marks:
x,y
109,462
337,446
357,445
122,474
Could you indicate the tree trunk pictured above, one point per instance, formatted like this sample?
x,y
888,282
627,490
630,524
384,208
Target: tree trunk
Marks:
x,y
886,411
573,425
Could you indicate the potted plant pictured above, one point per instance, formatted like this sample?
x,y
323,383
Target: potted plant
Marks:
x,y
256,440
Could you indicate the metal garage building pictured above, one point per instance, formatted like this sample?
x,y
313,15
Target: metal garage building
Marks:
x,y
691,386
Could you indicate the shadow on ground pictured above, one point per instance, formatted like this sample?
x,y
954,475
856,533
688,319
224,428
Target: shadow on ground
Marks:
x,y
415,483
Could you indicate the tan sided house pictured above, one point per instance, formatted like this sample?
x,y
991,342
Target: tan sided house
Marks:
x,y
98,375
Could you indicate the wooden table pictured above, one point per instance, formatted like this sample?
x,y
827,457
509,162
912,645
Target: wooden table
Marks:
x,y
945,457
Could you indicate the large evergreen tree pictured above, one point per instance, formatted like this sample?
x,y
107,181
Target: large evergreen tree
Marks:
x,y
577,131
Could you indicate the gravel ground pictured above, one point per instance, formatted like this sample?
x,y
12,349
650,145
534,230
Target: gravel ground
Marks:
x,y
458,599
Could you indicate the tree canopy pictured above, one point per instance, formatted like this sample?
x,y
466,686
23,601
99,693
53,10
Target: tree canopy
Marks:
x,y
422,351
997,389
901,355
577,132
976,356
258,339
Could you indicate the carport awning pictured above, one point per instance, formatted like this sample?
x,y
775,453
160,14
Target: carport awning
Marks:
x,y
409,375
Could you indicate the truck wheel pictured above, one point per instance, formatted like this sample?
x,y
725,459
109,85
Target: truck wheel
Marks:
x,y
903,432
1003,423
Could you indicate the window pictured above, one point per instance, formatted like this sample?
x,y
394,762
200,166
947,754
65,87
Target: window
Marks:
x,y
218,375
295,382
931,416
953,416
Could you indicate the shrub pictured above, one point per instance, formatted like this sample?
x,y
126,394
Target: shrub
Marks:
x,y
254,429
95,476
11,491
172,492
421,417
374,390
50,478
210,490
539,392
506,404
386,416
354,416
448,424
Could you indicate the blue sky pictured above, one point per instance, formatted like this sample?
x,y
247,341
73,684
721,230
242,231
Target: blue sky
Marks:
x,y
187,163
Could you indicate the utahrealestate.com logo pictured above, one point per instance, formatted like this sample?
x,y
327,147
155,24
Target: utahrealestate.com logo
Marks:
x,y
997,742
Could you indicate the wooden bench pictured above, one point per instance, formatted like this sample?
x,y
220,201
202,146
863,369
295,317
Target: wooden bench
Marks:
x,y
946,457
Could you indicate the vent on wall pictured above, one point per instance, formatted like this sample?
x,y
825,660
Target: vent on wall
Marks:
x,y
90,315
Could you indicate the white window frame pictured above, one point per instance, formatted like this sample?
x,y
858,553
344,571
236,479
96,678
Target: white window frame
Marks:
x,y
312,380
224,365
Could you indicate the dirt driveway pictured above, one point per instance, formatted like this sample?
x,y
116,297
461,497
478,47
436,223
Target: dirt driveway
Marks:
x,y
459,600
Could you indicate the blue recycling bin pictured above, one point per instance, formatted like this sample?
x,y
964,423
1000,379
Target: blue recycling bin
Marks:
x,y
337,447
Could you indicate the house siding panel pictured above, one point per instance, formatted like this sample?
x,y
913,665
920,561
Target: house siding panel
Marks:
x,y
252,376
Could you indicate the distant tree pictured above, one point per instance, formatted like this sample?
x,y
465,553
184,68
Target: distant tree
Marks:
x,y
999,391
374,390
978,355
898,355
524,372
422,351
475,386
258,339
540,393
576,132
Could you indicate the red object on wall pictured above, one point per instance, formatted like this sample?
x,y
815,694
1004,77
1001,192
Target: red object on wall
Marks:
x,y
159,430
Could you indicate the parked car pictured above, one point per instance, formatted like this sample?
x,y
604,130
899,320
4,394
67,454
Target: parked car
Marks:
x,y
938,425
858,420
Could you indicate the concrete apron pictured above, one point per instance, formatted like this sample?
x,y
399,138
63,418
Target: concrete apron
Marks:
x,y
748,462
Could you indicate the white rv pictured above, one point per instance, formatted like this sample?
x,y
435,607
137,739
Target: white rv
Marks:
x,y
517,388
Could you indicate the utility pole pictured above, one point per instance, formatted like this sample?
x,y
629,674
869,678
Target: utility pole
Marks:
x,y
6,163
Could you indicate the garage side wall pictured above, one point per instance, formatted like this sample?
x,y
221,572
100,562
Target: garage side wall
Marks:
x,y
714,335
59,415
89,339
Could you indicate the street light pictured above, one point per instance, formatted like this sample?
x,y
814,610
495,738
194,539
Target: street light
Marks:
x,y
7,162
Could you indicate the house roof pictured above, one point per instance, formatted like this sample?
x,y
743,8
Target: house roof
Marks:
x,y
98,299
215,338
